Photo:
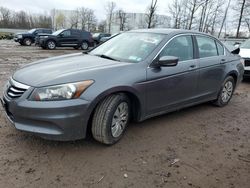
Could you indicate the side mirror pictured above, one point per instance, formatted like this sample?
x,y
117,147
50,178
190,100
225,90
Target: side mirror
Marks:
x,y
61,35
168,61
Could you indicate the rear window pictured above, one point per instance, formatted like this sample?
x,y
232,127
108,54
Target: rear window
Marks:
x,y
207,47
75,33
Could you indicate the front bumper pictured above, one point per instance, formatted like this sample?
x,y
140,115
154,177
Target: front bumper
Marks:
x,y
18,40
54,120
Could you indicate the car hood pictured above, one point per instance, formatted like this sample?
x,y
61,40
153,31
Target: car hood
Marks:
x,y
245,53
23,33
64,69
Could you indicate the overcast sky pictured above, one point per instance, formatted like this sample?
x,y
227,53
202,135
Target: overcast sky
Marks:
x,y
36,6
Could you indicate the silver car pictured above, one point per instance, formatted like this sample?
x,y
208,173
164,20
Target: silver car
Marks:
x,y
131,77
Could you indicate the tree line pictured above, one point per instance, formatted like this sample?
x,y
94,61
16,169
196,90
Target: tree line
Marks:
x,y
210,16
22,20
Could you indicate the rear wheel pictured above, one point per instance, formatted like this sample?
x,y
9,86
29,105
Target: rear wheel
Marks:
x,y
51,45
27,41
111,118
226,92
84,45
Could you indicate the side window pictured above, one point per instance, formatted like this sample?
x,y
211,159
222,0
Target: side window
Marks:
x,y
75,33
220,48
181,47
207,47
66,33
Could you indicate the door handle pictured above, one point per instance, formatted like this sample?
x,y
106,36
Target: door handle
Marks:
x,y
223,61
192,67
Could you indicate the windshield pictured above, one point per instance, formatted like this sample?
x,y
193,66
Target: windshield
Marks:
x,y
246,44
129,47
57,32
32,30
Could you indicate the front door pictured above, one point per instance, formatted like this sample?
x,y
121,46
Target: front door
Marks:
x,y
170,87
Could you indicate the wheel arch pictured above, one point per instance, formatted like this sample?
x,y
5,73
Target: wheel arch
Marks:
x,y
136,103
234,74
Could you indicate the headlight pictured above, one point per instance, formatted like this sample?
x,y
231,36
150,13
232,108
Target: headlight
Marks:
x,y
60,92
19,36
43,37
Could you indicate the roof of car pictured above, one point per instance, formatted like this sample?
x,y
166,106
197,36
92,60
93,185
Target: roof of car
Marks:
x,y
167,31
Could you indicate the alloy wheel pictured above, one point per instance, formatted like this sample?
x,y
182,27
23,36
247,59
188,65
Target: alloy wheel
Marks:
x,y
227,91
120,119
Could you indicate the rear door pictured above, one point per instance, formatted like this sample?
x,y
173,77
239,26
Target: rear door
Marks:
x,y
67,38
172,87
211,63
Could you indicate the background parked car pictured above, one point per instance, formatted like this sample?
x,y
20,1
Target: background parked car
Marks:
x,y
98,36
104,39
67,38
27,38
245,54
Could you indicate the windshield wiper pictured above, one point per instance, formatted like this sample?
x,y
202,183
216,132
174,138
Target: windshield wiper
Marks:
x,y
106,57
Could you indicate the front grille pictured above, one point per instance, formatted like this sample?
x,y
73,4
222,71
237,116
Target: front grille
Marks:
x,y
247,62
14,92
15,89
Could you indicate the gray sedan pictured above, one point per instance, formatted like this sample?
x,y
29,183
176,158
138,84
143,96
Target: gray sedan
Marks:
x,y
133,76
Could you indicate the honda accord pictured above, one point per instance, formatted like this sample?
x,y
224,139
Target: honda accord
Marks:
x,y
131,77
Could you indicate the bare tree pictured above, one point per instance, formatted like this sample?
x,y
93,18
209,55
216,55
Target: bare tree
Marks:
x,y
241,10
5,15
175,10
91,20
151,14
74,19
83,17
110,8
122,16
193,6
224,18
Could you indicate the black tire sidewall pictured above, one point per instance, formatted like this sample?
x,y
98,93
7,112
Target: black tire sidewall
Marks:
x,y
86,43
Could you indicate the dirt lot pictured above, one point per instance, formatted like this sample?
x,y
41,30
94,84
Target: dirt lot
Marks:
x,y
202,146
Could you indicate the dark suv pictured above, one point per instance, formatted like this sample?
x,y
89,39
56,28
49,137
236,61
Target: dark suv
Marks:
x,y
67,38
27,38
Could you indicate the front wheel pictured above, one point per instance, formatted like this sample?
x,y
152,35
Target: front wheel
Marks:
x,y
111,118
226,92
27,42
51,45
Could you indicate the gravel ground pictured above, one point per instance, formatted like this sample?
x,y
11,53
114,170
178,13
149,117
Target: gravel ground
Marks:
x,y
202,146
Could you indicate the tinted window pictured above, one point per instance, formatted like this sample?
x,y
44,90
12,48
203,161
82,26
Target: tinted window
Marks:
x,y
181,47
220,48
75,33
66,33
207,47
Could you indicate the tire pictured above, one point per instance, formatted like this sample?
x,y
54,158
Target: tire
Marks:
x,y
226,92
27,42
109,124
85,45
51,45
